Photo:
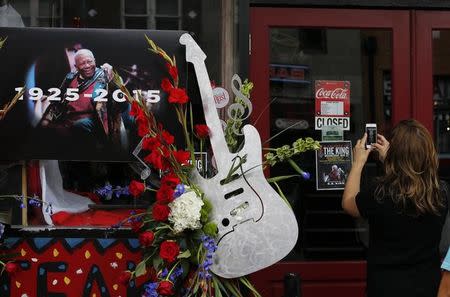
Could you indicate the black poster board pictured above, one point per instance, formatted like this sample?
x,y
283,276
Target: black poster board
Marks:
x,y
41,58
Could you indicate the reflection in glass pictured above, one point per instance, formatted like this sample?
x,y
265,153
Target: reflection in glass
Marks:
x,y
166,7
167,23
135,6
135,22
441,90
298,58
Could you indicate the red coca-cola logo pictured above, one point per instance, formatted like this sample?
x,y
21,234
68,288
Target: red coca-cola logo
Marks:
x,y
337,93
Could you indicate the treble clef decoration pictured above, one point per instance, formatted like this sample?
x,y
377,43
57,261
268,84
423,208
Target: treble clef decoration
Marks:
x,y
236,111
256,227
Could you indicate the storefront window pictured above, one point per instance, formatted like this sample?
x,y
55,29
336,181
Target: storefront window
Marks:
x,y
298,59
441,91
200,17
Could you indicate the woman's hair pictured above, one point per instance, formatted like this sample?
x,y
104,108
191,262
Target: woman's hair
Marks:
x,y
411,166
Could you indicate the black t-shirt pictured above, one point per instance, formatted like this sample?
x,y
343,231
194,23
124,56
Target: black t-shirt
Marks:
x,y
403,255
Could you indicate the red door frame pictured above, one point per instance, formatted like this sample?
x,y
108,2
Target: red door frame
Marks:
x,y
426,22
262,18
324,278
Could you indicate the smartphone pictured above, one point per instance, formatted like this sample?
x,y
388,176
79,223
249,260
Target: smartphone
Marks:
x,y
371,130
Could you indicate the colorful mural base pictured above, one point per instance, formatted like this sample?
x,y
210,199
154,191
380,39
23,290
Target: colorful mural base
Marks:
x,y
71,267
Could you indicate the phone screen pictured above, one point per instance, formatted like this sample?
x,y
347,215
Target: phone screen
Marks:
x,y
371,135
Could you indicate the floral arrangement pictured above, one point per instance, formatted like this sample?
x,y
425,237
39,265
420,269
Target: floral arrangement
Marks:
x,y
177,234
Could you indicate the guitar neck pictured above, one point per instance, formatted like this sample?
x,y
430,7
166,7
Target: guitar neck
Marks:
x,y
217,136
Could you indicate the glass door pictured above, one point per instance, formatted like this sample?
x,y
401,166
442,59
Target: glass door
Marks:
x,y
431,104
292,52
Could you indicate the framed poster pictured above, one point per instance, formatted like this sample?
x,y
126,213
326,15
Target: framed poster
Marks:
x,y
70,110
333,163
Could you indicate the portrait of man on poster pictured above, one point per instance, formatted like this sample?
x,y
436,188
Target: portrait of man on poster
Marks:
x,y
78,114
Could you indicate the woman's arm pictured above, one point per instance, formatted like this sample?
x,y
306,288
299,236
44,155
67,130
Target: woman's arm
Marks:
x,y
360,155
444,288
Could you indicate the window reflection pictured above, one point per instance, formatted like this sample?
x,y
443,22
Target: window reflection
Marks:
x,y
441,91
298,58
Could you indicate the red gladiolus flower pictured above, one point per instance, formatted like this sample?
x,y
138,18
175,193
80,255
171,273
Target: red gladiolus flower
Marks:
x,y
136,226
124,277
160,212
166,85
151,274
135,109
178,96
169,251
150,143
146,238
173,71
170,180
158,160
167,137
202,131
182,157
164,195
143,129
136,188
165,288
154,158
11,268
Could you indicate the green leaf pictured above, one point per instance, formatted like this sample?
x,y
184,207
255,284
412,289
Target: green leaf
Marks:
x,y
185,265
219,283
233,288
217,292
280,178
152,44
157,261
207,205
140,269
184,255
2,41
295,166
205,211
195,289
210,229
249,286
282,194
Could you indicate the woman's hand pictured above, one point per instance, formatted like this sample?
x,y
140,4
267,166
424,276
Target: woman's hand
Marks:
x,y
360,153
381,147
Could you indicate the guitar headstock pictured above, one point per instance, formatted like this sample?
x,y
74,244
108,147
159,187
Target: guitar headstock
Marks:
x,y
193,51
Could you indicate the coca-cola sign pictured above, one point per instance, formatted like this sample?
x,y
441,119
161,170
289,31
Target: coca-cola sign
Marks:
x,y
332,98
337,93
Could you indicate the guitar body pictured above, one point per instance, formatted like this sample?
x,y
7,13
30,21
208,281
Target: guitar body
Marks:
x,y
256,226
263,231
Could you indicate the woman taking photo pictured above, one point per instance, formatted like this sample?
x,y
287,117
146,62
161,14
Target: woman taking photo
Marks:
x,y
405,209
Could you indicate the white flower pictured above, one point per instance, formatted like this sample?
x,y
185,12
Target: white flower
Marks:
x,y
185,212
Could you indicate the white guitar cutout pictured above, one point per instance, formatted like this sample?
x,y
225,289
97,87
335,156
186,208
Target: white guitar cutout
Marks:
x,y
256,227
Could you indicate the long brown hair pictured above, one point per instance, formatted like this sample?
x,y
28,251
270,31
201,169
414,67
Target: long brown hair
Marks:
x,y
411,166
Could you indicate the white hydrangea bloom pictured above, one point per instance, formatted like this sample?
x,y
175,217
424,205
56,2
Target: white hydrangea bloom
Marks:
x,y
185,212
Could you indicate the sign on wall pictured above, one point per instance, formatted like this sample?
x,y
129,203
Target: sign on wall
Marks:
x,y
333,163
332,104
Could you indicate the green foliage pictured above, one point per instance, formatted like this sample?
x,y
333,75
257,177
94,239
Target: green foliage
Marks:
x,y
286,152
